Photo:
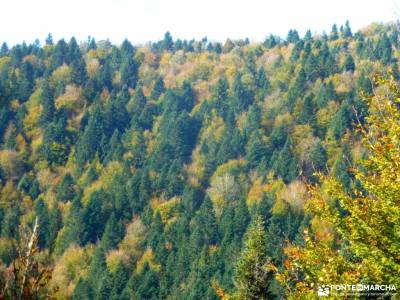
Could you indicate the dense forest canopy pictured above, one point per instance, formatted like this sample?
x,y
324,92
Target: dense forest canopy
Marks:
x,y
169,170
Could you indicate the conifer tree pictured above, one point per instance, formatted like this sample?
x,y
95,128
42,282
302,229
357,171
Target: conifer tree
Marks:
x,y
293,36
47,102
113,233
383,49
349,63
158,88
297,88
66,188
119,280
262,84
167,43
42,214
78,71
256,150
93,215
285,165
129,71
334,33
254,271
89,143
83,290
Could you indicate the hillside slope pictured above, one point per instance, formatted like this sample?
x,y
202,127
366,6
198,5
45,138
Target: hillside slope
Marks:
x,y
145,165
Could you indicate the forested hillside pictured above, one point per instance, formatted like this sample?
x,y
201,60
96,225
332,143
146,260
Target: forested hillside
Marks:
x,y
146,165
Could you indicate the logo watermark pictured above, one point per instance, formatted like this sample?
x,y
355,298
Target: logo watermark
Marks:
x,y
325,290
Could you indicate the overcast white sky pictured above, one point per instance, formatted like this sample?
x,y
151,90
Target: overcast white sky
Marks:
x,y
145,20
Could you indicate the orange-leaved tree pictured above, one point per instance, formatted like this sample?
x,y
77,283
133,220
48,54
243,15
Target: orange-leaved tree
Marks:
x,y
355,236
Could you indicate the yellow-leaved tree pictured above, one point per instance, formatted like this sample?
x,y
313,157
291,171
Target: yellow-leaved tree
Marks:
x,y
355,237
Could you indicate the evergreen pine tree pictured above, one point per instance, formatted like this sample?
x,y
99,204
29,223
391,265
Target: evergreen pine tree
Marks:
x,y
113,233
66,190
158,88
47,102
256,150
42,213
341,120
253,273
347,30
383,50
349,63
119,280
285,165
83,291
334,33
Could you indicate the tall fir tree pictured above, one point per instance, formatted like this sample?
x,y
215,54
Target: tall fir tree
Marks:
x,y
254,271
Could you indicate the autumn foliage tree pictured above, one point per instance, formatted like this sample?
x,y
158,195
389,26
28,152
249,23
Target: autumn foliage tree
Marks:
x,y
354,235
26,277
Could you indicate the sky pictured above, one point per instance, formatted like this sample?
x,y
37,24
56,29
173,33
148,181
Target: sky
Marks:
x,y
147,20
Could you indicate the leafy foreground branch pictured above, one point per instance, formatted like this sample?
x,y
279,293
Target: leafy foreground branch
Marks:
x,y
355,236
25,277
